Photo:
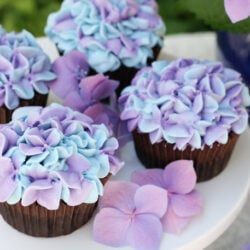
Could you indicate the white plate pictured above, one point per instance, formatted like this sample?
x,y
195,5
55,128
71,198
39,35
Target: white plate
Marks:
x,y
223,197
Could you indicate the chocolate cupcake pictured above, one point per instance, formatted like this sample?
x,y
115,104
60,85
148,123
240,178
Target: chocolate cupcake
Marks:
x,y
186,109
24,73
53,165
117,37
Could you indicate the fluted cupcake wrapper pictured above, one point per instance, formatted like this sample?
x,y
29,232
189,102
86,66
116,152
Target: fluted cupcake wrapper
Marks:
x,y
37,100
208,162
38,221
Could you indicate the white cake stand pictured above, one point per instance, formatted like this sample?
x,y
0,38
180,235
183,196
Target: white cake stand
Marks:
x,y
224,196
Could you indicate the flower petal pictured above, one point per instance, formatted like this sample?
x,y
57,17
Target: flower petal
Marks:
x,y
65,81
97,87
151,199
237,10
148,176
179,176
145,232
110,227
75,101
186,205
120,195
172,223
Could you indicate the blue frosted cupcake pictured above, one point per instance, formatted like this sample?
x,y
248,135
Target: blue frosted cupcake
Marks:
x,y
186,109
53,165
117,37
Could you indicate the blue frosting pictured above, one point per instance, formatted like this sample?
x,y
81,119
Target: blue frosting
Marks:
x,y
109,32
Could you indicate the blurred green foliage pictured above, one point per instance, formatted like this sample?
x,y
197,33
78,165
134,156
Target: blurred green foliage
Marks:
x,y
26,14
213,13
177,19
32,15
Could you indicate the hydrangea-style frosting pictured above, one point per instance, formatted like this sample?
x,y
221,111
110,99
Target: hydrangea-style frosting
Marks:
x,y
109,32
52,154
25,68
186,102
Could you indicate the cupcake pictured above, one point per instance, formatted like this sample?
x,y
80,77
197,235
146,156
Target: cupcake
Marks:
x,y
53,165
117,37
24,73
186,109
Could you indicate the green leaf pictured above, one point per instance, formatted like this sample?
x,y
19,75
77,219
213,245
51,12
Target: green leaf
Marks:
x,y
178,19
212,12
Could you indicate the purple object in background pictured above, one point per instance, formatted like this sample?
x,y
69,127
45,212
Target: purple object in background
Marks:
x,y
234,51
246,247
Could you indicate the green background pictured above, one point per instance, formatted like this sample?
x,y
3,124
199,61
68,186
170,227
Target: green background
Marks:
x,y
32,15
179,15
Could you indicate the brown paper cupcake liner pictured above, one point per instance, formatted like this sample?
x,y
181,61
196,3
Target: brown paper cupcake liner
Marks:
x,y
208,162
38,221
37,100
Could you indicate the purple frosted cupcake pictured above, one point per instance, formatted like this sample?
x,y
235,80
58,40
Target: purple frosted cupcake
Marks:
x,y
24,73
53,165
186,109
117,37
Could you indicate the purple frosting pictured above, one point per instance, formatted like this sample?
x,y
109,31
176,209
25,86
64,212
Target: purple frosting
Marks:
x,y
52,154
186,102
24,68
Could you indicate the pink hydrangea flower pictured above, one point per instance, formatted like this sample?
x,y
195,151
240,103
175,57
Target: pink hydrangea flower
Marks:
x,y
178,179
237,10
130,216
